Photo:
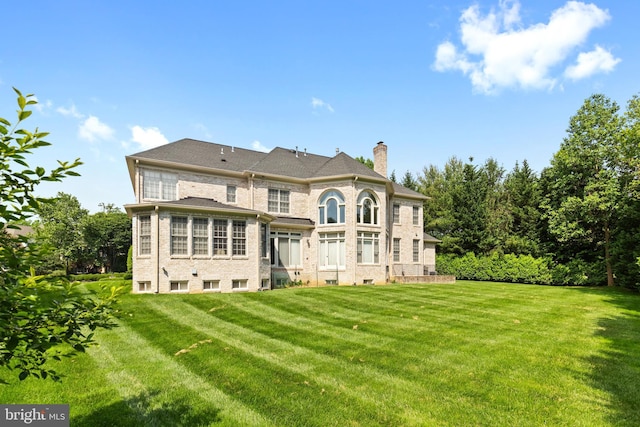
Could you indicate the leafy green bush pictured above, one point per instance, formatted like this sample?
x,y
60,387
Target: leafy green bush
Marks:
x,y
94,277
520,269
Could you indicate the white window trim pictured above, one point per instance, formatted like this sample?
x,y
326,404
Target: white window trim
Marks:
x,y
164,179
243,282
372,238
209,244
140,236
216,289
363,197
323,207
279,202
179,283
145,283
322,251
275,237
232,191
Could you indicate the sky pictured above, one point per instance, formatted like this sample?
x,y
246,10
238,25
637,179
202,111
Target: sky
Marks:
x,y
433,80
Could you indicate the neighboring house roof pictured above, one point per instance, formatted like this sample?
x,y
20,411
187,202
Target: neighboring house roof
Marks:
x,y
279,162
16,230
427,238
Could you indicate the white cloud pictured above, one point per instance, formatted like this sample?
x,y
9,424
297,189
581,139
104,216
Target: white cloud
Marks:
x,y
93,129
319,103
588,63
70,112
258,146
41,107
148,137
498,52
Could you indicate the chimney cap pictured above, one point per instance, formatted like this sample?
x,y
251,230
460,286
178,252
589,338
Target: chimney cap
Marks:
x,y
381,142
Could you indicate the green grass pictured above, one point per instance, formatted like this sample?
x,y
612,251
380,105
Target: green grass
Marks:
x,y
401,355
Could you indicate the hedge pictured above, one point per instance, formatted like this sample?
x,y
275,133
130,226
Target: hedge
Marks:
x,y
520,269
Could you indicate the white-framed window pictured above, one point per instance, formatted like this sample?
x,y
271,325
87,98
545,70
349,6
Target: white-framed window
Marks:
x,y
144,286
264,240
200,231
368,248
396,249
159,185
211,285
220,241
396,214
331,208
239,284
179,286
144,235
416,215
231,193
286,250
416,250
278,200
367,209
332,250
179,235
239,237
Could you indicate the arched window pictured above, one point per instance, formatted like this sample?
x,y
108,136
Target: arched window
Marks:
x,y
331,208
367,212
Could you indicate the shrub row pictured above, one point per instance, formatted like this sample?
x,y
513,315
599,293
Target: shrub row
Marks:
x,y
521,269
94,277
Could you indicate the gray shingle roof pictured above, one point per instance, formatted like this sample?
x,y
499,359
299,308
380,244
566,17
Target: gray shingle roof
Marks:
x,y
201,202
284,221
204,154
282,162
399,190
428,238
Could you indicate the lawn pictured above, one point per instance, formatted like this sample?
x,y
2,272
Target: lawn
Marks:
x,y
471,353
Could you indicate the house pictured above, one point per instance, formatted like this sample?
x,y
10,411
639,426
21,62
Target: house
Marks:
x,y
216,218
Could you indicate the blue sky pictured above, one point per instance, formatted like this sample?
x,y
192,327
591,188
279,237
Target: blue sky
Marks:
x,y
486,78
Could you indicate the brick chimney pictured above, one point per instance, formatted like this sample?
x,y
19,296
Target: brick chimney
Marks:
x,y
380,159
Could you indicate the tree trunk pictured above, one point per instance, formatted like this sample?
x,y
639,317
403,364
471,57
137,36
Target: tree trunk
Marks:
x,y
607,255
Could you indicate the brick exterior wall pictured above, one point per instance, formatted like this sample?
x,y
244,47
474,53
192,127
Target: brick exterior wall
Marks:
x,y
156,271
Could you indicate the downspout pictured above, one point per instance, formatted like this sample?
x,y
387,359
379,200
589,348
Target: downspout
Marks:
x,y
355,230
251,190
157,249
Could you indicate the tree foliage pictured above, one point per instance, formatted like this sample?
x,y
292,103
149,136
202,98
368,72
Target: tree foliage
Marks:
x,y
41,317
59,226
107,234
581,214
587,180
367,162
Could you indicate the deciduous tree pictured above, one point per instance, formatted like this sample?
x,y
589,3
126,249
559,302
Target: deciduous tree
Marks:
x,y
586,180
40,317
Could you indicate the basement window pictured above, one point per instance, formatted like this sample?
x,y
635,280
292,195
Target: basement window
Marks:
x,y
144,286
179,286
239,284
211,285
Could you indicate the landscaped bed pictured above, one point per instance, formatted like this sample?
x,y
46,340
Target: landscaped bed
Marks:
x,y
470,353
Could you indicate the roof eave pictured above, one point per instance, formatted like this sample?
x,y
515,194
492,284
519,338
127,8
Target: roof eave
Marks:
x,y
140,207
274,177
346,177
